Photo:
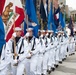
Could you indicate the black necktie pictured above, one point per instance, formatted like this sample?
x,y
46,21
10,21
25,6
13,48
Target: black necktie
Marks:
x,y
46,42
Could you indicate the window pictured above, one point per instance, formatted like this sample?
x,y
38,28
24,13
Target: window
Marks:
x,y
23,3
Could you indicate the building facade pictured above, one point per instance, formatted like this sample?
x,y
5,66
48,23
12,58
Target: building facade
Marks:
x,y
73,13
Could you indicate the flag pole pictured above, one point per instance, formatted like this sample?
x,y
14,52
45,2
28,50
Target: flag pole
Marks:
x,y
41,24
64,18
14,40
27,20
52,13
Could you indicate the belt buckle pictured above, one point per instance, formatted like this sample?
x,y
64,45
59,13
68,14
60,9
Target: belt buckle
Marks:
x,y
15,64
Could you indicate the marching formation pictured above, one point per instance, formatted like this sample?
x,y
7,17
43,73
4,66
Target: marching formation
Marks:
x,y
35,56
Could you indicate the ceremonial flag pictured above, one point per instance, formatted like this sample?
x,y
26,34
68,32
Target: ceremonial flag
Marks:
x,y
32,17
61,20
34,1
71,26
56,17
12,14
43,10
51,25
2,34
2,2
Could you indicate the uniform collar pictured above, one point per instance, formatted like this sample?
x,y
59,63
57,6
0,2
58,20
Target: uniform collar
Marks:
x,y
19,40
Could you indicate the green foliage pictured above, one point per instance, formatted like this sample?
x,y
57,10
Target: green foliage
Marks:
x,y
75,19
67,18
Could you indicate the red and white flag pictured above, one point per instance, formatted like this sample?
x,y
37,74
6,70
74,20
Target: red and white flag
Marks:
x,y
12,14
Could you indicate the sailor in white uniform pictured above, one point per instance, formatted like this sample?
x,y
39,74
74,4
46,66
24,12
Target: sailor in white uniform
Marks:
x,y
75,39
41,52
71,46
56,47
33,46
51,52
5,60
18,47
65,40
60,45
46,53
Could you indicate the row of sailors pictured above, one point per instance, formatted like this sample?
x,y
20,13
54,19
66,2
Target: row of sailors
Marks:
x,y
36,56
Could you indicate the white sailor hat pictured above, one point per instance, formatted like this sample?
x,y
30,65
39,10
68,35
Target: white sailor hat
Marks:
x,y
42,30
50,31
56,32
60,31
17,29
39,30
29,29
66,25
27,34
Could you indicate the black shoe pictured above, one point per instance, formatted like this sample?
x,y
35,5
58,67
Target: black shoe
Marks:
x,y
49,71
56,66
65,55
62,59
69,54
60,62
73,53
42,74
53,69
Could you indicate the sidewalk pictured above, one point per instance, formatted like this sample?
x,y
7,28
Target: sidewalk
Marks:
x,y
68,67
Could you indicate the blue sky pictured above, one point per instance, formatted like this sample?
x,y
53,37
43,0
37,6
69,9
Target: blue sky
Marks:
x,y
71,3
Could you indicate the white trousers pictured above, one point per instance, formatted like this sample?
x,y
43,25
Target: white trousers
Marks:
x,y
18,70
70,48
61,52
4,71
57,55
45,62
50,60
73,47
33,65
40,64
27,66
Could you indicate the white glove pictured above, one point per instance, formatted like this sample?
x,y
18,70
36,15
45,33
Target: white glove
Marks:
x,y
28,56
27,35
41,36
34,24
14,34
59,34
47,34
15,61
50,35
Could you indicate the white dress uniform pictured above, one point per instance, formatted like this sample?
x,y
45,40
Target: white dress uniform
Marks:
x,y
21,51
59,45
46,55
70,46
5,60
51,60
61,48
56,43
34,48
73,45
65,47
40,56
75,41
